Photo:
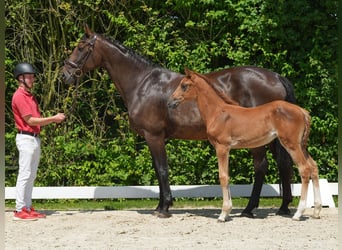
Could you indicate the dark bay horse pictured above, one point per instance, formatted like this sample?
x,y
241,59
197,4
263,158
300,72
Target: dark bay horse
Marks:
x,y
231,126
146,88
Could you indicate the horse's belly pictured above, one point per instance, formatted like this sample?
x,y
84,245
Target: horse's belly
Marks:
x,y
185,122
189,133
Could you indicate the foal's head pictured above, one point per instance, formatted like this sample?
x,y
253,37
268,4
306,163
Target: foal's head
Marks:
x,y
187,90
184,91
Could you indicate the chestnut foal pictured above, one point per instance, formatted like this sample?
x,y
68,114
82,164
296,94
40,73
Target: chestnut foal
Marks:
x,y
231,126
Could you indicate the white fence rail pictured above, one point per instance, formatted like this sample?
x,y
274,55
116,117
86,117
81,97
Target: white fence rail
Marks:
x,y
191,191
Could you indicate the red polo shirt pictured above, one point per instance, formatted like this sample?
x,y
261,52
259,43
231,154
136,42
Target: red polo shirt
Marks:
x,y
23,104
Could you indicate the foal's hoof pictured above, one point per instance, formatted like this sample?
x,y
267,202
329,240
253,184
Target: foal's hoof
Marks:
x,y
316,216
222,219
162,215
298,214
296,218
247,215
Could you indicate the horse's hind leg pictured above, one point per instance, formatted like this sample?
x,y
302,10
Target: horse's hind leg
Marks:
x,y
285,166
260,169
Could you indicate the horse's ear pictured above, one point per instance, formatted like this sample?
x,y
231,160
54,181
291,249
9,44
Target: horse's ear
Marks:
x,y
87,30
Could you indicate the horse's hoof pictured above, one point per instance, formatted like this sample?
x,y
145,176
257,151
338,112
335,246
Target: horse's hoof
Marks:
x,y
283,211
247,215
316,216
162,215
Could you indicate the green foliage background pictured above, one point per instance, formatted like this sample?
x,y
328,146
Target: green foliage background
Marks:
x,y
95,146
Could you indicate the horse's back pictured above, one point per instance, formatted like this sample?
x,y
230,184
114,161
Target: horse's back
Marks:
x,y
249,85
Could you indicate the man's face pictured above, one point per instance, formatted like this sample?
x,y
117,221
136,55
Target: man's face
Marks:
x,y
28,79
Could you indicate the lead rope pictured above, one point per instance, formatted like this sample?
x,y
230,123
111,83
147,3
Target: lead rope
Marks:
x,y
73,92
74,97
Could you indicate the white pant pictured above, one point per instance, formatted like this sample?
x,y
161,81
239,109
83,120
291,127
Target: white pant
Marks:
x,y
29,156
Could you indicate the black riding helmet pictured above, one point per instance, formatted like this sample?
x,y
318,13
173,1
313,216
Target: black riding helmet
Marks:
x,y
23,68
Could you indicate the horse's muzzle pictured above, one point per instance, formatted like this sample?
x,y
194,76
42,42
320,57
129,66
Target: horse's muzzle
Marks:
x,y
67,77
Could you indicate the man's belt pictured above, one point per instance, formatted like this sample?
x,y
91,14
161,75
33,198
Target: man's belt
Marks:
x,y
27,133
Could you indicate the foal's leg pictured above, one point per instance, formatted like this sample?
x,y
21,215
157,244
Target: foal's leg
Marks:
x,y
307,169
316,190
222,153
303,196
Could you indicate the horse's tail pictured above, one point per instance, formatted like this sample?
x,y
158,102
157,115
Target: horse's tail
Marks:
x,y
283,159
306,132
290,96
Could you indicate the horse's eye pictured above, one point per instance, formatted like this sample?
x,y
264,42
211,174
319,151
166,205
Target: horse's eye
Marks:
x,y
184,87
80,49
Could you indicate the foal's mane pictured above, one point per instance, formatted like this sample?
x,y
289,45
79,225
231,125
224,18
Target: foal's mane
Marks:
x,y
220,93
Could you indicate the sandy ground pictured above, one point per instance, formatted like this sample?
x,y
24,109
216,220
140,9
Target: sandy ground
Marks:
x,y
186,229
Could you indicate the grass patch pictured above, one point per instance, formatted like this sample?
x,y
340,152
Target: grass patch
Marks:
x,y
122,204
126,204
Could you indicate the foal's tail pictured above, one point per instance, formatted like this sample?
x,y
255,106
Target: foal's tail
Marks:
x,y
306,132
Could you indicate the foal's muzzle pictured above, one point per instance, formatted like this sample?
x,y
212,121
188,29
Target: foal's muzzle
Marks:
x,y
173,103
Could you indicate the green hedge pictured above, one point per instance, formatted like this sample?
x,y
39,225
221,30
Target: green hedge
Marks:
x,y
95,146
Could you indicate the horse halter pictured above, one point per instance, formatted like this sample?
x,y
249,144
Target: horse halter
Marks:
x,y
79,66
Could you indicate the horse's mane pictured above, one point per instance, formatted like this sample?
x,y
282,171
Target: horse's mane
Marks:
x,y
220,93
129,51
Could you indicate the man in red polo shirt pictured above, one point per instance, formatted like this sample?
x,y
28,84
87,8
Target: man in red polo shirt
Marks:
x,y
28,122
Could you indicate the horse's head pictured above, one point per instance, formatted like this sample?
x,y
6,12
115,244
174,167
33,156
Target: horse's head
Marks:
x,y
184,91
82,59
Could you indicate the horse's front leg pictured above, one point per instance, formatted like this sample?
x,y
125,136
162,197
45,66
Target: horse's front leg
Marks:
x,y
222,153
159,161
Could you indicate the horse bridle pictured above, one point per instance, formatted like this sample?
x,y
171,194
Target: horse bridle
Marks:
x,y
79,66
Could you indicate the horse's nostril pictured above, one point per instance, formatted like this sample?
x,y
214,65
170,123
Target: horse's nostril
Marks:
x,y
63,76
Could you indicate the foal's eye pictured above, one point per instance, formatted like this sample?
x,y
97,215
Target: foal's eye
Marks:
x,y
184,87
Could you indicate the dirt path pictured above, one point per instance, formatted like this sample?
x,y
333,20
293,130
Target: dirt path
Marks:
x,y
186,229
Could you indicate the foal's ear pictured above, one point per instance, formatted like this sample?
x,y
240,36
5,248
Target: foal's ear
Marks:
x,y
188,72
87,30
